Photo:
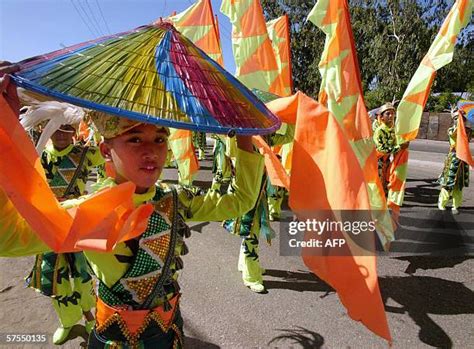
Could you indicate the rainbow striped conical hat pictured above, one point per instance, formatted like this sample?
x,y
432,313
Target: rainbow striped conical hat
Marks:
x,y
151,74
468,108
264,96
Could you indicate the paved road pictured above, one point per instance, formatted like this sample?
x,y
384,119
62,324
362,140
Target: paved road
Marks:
x,y
429,300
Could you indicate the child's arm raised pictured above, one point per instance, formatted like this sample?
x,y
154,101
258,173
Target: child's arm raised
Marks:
x,y
242,195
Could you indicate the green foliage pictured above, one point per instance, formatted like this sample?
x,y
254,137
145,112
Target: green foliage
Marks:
x,y
391,38
441,102
374,98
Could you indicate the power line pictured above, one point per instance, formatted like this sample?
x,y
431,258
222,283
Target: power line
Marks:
x,y
93,17
103,18
82,18
89,20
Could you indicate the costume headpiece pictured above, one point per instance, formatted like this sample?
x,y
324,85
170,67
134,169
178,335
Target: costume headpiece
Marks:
x,y
385,107
53,113
110,126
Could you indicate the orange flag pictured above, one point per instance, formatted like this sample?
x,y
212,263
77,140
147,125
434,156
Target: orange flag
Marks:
x,y
255,59
181,144
341,92
354,275
317,135
275,170
462,144
199,25
279,33
326,176
98,223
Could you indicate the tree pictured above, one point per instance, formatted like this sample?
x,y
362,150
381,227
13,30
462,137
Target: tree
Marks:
x,y
391,38
307,42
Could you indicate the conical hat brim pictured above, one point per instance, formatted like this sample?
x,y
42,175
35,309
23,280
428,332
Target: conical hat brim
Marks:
x,y
152,74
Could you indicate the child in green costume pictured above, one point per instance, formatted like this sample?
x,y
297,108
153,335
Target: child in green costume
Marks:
x,y
64,277
138,292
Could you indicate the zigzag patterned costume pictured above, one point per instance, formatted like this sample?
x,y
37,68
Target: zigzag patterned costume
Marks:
x,y
386,146
283,139
65,277
455,174
221,163
199,142
131,311
256,222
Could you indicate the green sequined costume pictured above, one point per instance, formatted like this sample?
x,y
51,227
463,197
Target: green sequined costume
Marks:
x,y
386,145
221,165
65,277
199,142
249,227
276,194
455,174
256,222
128,274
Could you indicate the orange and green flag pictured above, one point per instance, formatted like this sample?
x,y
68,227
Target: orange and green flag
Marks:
x,y
441,52
279,33
181,144
97,223
410,109
341,92
255,60
350,154
198,24
462,144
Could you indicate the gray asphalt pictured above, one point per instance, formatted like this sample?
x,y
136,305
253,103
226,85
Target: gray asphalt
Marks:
x,y
428,300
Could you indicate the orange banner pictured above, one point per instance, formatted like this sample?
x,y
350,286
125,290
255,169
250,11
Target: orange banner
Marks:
x,y
326,176
275,170
462,144
97,224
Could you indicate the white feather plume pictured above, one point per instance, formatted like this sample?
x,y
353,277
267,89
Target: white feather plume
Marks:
x,y
58,113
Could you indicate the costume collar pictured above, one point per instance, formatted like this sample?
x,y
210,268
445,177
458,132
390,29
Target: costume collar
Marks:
x,y
58,153
139,199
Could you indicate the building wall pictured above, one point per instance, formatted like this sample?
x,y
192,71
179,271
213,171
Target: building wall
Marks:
x,y
435,126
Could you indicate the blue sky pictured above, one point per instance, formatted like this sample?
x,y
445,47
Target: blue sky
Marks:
x,y
32,27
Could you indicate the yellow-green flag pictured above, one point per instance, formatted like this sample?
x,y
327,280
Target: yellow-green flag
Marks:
x,y
255,60
279,33
414,99
441,52
341,92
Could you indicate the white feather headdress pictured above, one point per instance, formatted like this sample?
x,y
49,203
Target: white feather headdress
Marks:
x,y
58,113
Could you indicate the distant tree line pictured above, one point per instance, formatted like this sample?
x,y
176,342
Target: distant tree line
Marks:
x,y
391,37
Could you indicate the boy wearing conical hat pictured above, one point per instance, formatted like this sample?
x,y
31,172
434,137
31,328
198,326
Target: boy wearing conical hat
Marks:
x,y
138,292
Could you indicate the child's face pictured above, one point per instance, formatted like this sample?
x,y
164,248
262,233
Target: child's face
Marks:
x,y
388,117
63,137
138,155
